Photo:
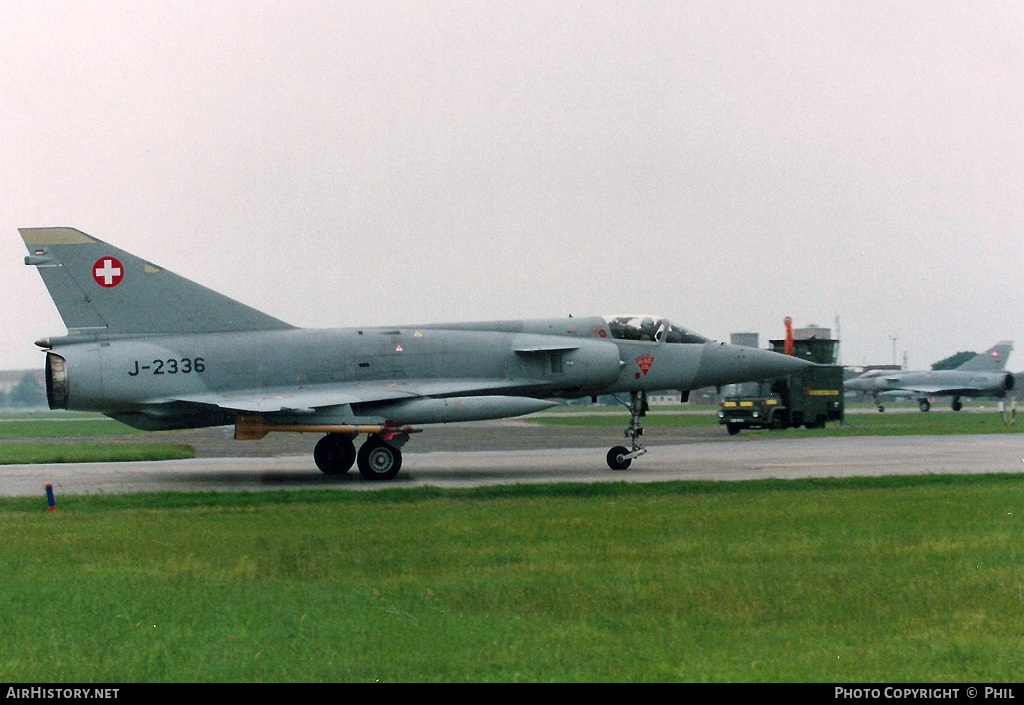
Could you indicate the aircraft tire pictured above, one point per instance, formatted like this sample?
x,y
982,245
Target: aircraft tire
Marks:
x,y
334,454
378,460
923,405
733,428
615,460
957,405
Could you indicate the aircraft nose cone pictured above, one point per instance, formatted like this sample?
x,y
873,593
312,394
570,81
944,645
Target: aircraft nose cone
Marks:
x,y
729,364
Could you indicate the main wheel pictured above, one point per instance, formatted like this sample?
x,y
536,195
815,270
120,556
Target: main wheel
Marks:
x,y
378,460
615,458
334,454
923,405
957,405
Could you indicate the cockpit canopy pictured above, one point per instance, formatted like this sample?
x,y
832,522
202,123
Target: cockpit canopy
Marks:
x,y
650,328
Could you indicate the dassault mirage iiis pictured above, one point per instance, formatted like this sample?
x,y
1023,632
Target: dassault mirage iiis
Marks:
x,y
158,351
983,375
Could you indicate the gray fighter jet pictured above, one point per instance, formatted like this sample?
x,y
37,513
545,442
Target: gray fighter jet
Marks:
x,y
158,351
983,375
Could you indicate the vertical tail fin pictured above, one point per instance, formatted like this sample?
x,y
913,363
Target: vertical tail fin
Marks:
x,y
98,288
992,360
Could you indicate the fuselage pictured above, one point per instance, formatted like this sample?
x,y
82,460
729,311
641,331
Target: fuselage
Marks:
x,y
144,379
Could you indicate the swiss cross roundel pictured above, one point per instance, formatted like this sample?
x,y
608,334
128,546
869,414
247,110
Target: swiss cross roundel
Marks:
x,y
107,272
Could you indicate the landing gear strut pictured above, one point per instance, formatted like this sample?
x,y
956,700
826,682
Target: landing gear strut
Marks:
x,y
620,457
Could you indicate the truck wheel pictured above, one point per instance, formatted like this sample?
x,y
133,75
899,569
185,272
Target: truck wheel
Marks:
x,y
733,428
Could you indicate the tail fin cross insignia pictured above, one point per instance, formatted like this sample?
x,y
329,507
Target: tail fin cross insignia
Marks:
x,y
108,272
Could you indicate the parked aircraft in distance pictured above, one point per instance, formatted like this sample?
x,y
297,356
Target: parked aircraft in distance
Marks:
x,y
158,351
983,375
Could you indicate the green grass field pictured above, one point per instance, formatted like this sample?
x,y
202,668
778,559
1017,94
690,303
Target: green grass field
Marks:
x,y
859,424
40,427
868,580
55,426
37,453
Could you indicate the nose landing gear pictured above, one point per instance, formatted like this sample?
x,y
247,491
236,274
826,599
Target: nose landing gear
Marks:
x,y
620,457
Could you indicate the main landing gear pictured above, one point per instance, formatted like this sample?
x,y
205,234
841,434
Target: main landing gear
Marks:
x,y
378,458
620,457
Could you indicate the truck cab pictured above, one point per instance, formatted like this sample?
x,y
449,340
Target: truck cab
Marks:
x,y
753,405
809,398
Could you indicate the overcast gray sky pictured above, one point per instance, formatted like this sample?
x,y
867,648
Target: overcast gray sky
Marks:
x,y
724,164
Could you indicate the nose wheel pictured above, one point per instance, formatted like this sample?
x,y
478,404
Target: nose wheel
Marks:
x,y
620,457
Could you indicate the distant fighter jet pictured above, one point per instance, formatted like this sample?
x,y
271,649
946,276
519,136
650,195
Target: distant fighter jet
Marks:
x,y
157,351
983,375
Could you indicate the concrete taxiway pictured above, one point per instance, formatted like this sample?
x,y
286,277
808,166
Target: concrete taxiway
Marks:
x,y
722,460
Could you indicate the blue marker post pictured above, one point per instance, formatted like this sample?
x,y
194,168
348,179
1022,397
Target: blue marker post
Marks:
x,y
49,497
